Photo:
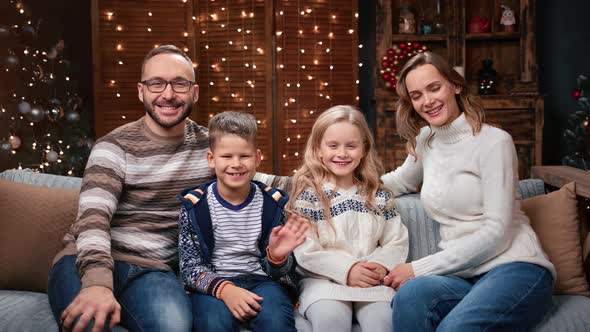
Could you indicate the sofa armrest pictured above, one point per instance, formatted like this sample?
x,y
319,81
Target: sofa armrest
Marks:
x,y
558,176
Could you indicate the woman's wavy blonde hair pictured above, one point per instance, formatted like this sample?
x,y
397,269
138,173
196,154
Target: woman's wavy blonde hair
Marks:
x,y
313,173
409,121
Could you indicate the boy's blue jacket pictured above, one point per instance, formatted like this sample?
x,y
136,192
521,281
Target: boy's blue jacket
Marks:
x,y
196,241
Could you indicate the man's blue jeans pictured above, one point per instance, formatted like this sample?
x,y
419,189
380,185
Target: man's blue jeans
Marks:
x,y
150,299
510,297
212,315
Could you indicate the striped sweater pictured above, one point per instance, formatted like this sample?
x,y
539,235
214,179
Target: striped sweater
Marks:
x,y
198,242
128,209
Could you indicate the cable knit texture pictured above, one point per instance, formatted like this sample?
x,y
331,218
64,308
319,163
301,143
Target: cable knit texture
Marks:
x,y
470,188
358,235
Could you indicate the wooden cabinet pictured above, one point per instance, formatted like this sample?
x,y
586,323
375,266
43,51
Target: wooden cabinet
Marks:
x,y
472,32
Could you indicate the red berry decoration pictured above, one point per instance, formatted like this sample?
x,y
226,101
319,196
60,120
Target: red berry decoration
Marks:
x,y
577,94
396,57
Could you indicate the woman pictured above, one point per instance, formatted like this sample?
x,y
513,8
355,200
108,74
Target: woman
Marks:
x,y
491,273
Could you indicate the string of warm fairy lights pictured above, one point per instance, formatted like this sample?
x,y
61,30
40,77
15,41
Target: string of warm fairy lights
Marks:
x,y
243,35
282,58
299,67
354,44
228,41
112,16
253,49
207,72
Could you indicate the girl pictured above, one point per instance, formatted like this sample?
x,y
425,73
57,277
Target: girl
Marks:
x,y
491,273
356,234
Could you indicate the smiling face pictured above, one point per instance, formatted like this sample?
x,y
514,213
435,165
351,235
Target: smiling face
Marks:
x,y
234,160
432,96
167,110
341,151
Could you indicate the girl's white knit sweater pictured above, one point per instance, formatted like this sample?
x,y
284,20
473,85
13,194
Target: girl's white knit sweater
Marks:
x,y
358,235
470,188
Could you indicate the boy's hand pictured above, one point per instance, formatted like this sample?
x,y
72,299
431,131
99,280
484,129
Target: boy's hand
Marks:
x,y
363,275
242,303
283,239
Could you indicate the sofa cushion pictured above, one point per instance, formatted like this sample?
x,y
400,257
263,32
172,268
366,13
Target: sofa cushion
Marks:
x,y
568,313
22,311
34,221
554,217
25,311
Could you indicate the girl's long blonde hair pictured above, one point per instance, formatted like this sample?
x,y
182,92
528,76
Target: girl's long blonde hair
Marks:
x,y
313,173
409,121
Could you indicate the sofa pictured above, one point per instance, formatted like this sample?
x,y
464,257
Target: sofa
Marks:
x,y
37,209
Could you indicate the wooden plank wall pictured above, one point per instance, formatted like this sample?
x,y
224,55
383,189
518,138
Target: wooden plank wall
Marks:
x,y
234,47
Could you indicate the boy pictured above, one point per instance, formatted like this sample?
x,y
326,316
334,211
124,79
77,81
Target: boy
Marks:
x,y
231,257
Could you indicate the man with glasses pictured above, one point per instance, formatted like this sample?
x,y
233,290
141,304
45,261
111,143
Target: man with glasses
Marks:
x,y
118,263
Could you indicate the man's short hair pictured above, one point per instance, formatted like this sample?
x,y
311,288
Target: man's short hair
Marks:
x,y
240,124
164,49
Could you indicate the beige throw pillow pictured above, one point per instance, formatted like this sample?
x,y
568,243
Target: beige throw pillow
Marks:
x,y
554,217
33,223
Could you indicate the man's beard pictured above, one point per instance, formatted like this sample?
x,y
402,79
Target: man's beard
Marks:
x,y
149,108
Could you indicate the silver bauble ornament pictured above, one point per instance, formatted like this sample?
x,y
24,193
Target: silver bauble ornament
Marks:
x,y
24,107
55,112
51,156
5,146
72,116
37,114
11,61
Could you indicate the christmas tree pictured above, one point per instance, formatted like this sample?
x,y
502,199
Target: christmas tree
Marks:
x,y
43,125
577,135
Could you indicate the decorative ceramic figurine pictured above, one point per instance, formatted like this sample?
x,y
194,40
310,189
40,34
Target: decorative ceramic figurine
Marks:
x,y
407,21
508,20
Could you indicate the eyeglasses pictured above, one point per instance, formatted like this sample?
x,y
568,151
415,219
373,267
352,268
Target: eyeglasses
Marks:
x,y
157,86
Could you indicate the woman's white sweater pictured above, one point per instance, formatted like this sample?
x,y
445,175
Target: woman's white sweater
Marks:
x,y
470,188
357,234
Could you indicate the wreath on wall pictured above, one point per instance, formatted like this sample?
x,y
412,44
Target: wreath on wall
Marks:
x,y
395,58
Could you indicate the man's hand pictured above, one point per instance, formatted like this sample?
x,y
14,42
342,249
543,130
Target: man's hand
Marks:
x,y
283,239
363,275
400,274
242,303
96,302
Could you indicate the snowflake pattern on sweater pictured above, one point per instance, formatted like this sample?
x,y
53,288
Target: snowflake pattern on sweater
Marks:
x,y
357,233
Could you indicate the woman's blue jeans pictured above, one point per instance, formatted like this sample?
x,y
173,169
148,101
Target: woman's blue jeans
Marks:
x,y
510,297
150,299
